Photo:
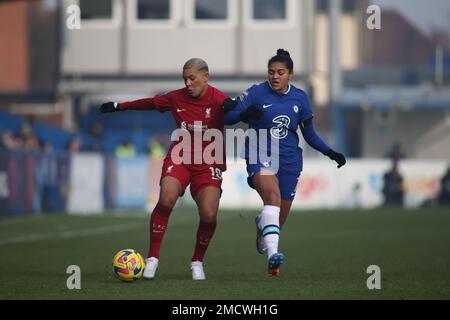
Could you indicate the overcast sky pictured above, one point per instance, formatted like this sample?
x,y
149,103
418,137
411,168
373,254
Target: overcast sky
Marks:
x,y
427,14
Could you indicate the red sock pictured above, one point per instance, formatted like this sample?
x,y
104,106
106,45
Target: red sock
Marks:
x,y
205,232
158,225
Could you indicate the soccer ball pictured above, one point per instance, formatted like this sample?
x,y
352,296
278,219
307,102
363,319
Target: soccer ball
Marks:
x,y
128,265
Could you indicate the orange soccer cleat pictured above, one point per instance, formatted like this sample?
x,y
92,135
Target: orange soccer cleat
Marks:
x,y
275,262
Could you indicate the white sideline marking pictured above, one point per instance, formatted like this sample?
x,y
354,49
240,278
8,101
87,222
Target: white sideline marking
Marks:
x,y
71,234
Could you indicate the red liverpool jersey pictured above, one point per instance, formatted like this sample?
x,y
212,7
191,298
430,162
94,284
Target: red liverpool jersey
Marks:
x,y
194,116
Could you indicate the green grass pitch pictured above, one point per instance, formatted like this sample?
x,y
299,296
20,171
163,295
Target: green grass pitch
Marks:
x,y
327,255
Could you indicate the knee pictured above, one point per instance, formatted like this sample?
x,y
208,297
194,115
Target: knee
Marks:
x,y
208,216
168,200
272,197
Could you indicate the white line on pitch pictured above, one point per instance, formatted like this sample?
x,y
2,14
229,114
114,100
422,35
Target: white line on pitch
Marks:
x,y
71,234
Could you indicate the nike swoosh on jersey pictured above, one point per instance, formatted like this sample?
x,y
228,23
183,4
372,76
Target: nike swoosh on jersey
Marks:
x,y
180,110
266,106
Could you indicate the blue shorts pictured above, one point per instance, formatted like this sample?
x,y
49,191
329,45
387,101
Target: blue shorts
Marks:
x,y
287,178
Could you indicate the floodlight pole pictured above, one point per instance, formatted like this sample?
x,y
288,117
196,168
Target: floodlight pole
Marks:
x,y
335,74
439,66
335,68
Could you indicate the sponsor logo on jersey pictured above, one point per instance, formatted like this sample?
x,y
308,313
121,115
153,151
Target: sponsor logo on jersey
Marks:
x,y
266,105
281,130
180,109
208,112
296,109
193,127
169,169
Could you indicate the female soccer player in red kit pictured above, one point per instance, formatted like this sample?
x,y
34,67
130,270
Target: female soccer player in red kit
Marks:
x,y
196,107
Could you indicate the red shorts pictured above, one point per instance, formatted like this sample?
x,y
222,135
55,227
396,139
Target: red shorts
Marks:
x,y
198,176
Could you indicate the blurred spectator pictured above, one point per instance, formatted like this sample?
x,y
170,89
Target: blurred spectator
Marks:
x,y
357,197
31,142
74,145
96,130
393,186
19,143
354,198
47,147
26,141
26,130
125,149
444,195
48,168
396,152
95,148
155,149
7,141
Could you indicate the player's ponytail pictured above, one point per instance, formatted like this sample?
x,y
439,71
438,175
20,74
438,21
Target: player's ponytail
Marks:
x,y
282,56
282,52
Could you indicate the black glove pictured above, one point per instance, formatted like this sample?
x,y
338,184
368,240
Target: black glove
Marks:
x,y
229,104
336,156
109,107
252,112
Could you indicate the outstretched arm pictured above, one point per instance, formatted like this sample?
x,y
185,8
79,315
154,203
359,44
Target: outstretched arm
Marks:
x,y
160,103
317,143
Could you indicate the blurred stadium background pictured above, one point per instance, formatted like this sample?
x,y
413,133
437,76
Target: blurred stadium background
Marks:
x,y
378,95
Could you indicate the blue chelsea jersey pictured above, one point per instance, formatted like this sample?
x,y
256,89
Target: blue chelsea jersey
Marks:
x,y
282,115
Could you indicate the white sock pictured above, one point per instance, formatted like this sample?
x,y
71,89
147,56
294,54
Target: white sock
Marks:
x,y
270,226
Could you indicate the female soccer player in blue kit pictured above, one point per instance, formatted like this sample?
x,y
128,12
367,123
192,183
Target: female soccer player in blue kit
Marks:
x,y
280,108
